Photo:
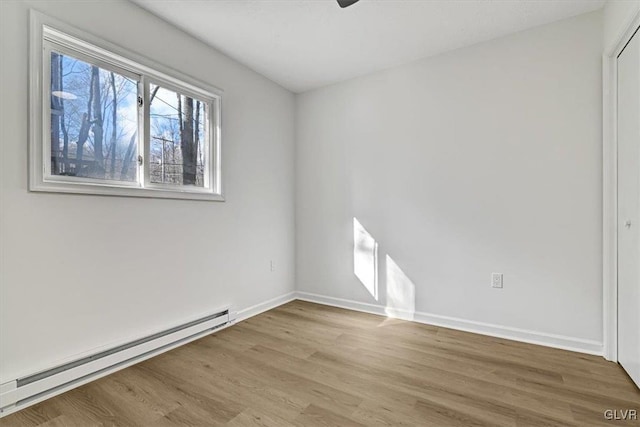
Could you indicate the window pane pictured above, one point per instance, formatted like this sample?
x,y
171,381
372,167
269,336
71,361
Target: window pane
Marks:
x,y
177,138
94,121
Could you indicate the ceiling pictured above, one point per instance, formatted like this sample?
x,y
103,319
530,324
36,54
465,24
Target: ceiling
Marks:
x,y
305,44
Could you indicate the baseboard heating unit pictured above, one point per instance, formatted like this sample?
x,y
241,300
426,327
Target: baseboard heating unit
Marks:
x,y
30,389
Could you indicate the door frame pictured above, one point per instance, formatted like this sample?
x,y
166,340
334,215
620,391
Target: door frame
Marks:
x,y
610,187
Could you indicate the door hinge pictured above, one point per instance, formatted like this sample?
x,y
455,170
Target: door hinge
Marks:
x,y
140,160
140,101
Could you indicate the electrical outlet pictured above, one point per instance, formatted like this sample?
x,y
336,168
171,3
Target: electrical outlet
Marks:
x,y
496,280
273,266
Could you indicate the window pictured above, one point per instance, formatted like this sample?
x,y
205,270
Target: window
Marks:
x,y
178,132
108,125
93,120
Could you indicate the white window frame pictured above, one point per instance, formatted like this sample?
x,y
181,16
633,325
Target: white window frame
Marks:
x,y
48,34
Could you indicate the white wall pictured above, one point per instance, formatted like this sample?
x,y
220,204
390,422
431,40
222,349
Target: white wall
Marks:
x,y
485,159
78,272
617,15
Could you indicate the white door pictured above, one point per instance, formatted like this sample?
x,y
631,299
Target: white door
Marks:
x,y
629,208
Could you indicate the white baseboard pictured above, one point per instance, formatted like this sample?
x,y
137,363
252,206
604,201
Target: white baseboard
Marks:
x,y
532,337
265,306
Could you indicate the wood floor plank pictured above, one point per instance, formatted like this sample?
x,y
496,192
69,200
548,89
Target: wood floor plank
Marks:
x,y
281,379
304,364
353,384
252,417
442,380
238,384
443,415
374,413
316,416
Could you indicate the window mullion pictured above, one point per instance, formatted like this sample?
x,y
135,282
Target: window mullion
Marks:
x,y
145,124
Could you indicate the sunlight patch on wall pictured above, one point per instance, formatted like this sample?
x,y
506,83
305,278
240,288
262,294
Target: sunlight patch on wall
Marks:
x,y
365,258
401,292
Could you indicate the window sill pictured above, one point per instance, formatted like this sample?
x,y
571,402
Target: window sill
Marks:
x,y
125,191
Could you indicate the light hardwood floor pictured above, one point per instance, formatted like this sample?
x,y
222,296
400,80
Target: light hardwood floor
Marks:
x,y
304,364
